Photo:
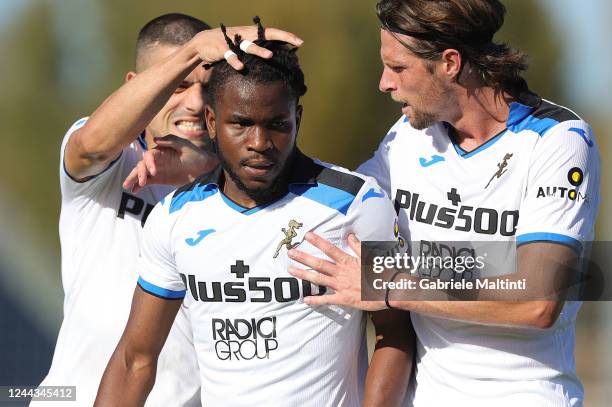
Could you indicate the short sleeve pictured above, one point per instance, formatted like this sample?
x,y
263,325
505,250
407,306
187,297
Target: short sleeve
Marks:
x,y
377,167
71,186
372,216
156,264
562,194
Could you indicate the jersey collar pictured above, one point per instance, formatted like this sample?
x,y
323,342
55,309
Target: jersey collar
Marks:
x,y
304,171
525,103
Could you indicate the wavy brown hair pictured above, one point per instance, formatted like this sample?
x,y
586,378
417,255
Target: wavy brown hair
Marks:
x,y
465,25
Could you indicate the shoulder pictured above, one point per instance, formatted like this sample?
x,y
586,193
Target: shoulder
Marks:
x,y
74,127
547,118
200,189
330,185
341,178
355,185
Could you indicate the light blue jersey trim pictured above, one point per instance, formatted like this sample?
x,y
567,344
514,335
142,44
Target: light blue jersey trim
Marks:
x,y
482,147
521,118
160,292
243,210
326,195
540,126
548,237
198,193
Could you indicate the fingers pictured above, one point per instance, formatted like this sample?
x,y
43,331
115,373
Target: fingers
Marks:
x,y
173,142
314,278
141,173
331,299
280,35
315,263
234,62
355,244
259,51
131,179
326,247
213,46
149,163
142,176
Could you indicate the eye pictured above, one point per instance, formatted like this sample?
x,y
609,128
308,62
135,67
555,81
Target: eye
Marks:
x,y
243,123
397,69
182,87
277,124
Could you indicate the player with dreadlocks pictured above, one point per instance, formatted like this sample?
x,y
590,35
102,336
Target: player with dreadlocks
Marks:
x,y
213,245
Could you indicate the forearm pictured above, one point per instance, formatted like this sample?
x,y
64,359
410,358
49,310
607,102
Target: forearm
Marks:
x,y
388,377
126,113
545,271
127,381
391,364
538,314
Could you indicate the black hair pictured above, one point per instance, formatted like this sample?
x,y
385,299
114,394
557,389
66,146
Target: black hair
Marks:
x,y
283,66
168,29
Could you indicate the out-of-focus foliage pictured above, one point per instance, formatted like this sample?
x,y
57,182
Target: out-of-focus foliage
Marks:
x,y
529,29
345,116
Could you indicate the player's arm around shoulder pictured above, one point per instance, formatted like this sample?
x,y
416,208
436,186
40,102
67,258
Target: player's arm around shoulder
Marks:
x,y
374,219
557,215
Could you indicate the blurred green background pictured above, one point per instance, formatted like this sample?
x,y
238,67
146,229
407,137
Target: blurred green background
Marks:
x,y
61,58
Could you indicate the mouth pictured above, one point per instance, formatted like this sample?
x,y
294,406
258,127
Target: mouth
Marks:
x,y
258,168
192,128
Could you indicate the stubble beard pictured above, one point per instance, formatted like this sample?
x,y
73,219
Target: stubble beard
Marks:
x,y
265,192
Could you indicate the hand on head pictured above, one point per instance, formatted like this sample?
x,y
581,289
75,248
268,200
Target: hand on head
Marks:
x,y
216,44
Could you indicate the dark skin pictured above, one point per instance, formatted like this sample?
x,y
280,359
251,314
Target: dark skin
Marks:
x,y
255,127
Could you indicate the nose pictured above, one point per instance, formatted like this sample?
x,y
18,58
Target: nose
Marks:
x,y
195,99
387,83
259,139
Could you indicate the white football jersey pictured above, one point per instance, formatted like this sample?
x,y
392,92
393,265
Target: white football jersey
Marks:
x,y
100,234
538,180
258,344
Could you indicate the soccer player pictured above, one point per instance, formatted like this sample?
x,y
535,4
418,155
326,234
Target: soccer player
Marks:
x,y
477,156
100,224
219,246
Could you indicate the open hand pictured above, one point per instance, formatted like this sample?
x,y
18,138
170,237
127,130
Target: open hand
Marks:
x,y
342,274
173,161
211,45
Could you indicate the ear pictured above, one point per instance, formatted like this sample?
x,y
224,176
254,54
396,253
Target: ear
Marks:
x,y
129,76
451,63
209,115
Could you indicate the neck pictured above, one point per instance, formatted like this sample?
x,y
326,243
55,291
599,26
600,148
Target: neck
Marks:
x,y
481,114
246,200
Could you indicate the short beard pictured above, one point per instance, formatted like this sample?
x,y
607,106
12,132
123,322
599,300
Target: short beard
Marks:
x,y
266,192
423,120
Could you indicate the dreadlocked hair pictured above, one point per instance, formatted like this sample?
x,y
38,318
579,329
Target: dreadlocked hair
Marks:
x,y
283,66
